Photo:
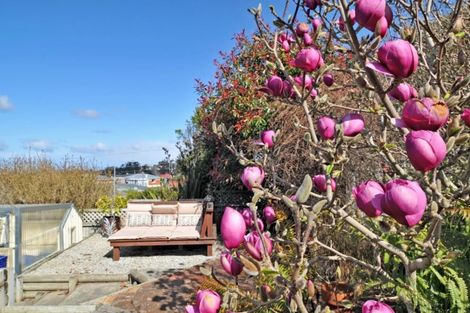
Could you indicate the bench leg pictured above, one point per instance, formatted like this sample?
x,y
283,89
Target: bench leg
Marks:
x,y
116,253
209,250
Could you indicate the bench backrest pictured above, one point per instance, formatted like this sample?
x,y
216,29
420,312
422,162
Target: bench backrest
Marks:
x,y
164,213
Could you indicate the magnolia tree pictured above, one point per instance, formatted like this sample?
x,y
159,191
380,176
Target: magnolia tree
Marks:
x,y
408,64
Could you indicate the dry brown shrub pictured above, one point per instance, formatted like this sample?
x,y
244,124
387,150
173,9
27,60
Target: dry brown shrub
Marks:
x,y
28,180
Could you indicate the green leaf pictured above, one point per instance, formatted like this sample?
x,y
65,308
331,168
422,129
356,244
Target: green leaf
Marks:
x,y
386,257
303,193
329,169
269,271
288,202
318,206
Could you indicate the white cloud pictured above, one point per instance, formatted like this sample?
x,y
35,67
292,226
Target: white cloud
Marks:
x,y
96,148
88,113
39,145
5,104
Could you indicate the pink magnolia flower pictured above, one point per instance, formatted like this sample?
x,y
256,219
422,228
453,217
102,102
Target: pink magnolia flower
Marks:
x,y
405,201
351,16
316,22
320,183
372,306
369,197
308,41
232,228
268,137
207,301
326,127
301,29
466,116
254,245
396,58
308,60
369,13
288,91
285,39
403,92
312,4
425,114
299,80
247,217
252,176
231,265
274,86
425,149
269,214
353,124
313,93
328,79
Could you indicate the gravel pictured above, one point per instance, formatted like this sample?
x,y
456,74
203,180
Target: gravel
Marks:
x,y
94,256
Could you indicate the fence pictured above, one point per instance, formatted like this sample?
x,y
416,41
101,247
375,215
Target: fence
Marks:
x,y
231,198
92,218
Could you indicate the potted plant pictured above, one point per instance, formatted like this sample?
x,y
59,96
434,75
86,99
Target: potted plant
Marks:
x,y
111,208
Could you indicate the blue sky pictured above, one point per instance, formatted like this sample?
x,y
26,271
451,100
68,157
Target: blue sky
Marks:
x,y
107,80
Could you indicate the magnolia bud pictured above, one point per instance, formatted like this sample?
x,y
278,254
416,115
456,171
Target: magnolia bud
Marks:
x,y
461,58
310,289
265,290
458,25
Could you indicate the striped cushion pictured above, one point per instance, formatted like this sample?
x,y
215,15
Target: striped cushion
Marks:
x,y
139,219
164,219
189,219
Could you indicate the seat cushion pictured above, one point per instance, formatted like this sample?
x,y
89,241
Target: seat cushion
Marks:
x,y
139,207
163,219
138,219
143,232
129,233
164,208
189,208
159,232
185,232
189,219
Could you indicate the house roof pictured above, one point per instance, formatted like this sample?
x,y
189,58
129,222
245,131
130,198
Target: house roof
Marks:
x,y
122,188
140,176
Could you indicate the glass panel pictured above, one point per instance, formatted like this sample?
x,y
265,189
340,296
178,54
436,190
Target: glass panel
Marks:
x,y
40,227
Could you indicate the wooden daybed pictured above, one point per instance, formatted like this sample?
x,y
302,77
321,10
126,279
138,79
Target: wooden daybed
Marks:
x,y
158,223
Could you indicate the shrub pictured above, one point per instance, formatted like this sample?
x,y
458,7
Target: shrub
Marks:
x,y
30,180
384,236
111,206
164,193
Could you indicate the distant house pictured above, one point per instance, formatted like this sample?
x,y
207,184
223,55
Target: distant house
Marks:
x,y
123,188
140,179
165,179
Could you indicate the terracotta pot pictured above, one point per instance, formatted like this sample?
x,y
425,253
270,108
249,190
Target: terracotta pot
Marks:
x,y
334,293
